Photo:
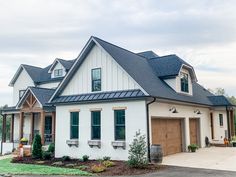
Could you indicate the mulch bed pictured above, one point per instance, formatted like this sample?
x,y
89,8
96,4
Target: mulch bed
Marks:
x,y
120,168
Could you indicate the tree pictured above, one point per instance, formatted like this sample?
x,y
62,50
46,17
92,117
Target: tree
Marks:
x,y
37,147
138,152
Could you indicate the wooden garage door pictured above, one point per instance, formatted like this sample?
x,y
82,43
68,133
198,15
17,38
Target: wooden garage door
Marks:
x,y
194,131
167,132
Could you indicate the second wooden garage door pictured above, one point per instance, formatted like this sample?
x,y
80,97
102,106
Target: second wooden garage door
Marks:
x,y
194,131
167,132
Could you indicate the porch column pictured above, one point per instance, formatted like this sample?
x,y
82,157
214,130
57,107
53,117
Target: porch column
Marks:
x,y
21,124
42,125
12,128
53,126
4,128
31,127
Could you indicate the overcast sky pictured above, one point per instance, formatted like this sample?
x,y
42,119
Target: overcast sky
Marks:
x,y
201,32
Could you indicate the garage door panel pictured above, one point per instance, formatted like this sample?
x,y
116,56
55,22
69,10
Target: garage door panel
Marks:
x,y
167,132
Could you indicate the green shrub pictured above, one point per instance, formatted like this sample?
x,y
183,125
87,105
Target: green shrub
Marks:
x,y
192,147
108,163
46,155
106,158
85,158
138,152
66,158
37,147
98,168
51,148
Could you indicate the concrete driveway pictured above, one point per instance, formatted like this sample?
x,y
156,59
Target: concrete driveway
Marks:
x,y
218,158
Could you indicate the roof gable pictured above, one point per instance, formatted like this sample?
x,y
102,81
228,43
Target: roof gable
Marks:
x,y
42,95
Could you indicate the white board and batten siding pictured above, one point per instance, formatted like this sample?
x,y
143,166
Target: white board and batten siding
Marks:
x,y
114,77
22,83
135,115
51,85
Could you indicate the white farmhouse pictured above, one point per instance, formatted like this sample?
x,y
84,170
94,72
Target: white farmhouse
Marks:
x,y
94,105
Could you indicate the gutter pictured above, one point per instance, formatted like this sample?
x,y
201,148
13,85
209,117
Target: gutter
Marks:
x,y
148,128
1,140
228,123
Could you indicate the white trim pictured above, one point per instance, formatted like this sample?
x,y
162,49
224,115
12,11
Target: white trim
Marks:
x,y
194,74
54,64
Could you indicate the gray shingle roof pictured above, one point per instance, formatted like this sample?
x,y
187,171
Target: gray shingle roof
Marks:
x,y
220,100
42,94
101,96
148,54
167,66
142,71
41,75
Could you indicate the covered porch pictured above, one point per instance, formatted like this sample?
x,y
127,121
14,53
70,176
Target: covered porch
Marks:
x,y
31,116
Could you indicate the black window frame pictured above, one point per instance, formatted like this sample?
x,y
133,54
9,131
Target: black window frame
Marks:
x,y
96,80
21,95
74,126
184,82
116,126
58,72
221,120
95,126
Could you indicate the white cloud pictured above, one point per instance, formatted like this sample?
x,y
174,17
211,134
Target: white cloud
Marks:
x,y
201,32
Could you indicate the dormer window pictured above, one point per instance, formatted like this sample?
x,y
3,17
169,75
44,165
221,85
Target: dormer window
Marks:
x,y
96,79
58,72
184,82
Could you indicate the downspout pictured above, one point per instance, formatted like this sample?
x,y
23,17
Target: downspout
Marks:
x,y
1,139
148,128
228,123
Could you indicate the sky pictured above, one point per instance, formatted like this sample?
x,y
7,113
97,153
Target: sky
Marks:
x,y
202,32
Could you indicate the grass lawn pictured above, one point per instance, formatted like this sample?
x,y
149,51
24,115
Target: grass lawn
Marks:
x,y
6,167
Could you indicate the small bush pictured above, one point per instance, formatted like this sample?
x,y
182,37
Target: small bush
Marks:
x,y
85,158
98,168
66,158
82,167
46,155
108,164
106,158
51,148
37,147
138,152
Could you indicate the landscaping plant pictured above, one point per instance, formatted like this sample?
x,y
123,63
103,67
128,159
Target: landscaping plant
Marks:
x,y
106,158
66,158
98,168
138,152
108,163
85,158
37,147
46,155
192,147
51,148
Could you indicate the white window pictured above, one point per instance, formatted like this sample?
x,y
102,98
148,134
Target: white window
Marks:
x,y
58,73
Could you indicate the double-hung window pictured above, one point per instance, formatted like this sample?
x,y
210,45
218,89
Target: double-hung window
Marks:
x,y
74,125
221,120
184,82
96,125
119,125
96,79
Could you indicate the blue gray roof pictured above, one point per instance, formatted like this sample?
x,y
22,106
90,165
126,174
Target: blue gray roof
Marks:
x,y
220,100
169,66
42,95
145,72
41,75
101,96
148,54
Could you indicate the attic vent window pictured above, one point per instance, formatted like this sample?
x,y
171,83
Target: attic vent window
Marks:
x,y
184,82
58,72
